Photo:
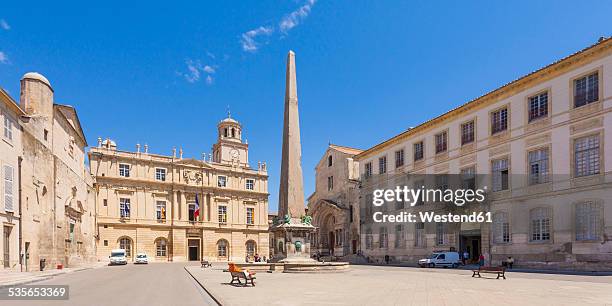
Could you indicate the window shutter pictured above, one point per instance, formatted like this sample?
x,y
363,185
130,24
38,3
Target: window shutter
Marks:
x,y
8,188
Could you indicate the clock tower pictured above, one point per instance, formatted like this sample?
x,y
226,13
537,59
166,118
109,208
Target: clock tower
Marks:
x,y
230,149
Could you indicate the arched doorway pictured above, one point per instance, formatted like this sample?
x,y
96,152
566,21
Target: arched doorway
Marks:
x,y
126,244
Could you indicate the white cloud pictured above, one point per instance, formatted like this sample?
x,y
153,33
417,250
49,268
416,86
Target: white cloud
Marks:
x,y
196,70
4,25
209,69
3,58
210,54
248,39
294,18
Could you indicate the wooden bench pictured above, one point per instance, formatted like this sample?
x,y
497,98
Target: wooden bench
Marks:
x,y
205,264
500,271
236,276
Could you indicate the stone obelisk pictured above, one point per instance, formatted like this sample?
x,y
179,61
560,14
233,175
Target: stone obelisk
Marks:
x,y
291,192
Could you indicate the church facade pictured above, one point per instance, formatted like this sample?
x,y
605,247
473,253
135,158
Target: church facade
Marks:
x,y
182,209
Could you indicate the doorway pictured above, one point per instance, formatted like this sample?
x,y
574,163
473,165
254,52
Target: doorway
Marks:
x,y
332,243
194,249
354,245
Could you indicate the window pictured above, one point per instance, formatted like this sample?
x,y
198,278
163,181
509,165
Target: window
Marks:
x,y
468,178
126,244
369,239
441,237
382,165
399,236
419,234
160,247
368,169
192,209
538,106
586,156
250,248
368,207
222,213
160,174
399,158
71,232
330,183
500,174
499,121
8,188
383,238
105,202
160,210
222,248
250,184
538,166
442,181
46,134
501,228
221,181
586,90
250,215
124,207
330,161
400,204
467,132
105,242
350,213
441,142
418,151
588,221
124,170
540,224
8,127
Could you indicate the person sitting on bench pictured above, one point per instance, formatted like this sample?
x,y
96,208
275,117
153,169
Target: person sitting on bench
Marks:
x,y
246,272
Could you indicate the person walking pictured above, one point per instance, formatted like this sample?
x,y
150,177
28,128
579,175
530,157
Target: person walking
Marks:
x,y
481,260
466,256
510,262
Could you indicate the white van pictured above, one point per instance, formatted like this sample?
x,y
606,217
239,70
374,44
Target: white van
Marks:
x,y
117,257
441,259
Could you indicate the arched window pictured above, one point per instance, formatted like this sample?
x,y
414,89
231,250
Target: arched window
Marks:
x,y
160,247
126,244
540,224
233,132
222,246
251,248
501,228
280,247
330,161
225,132
588,221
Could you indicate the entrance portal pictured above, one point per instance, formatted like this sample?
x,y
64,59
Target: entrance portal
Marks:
x,y
194,249
471,242
332,243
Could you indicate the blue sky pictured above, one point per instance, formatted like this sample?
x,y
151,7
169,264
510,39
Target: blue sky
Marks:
x,y
163,73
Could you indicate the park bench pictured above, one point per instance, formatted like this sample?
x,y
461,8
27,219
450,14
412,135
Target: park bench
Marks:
x,y
205,264
236,276
500,271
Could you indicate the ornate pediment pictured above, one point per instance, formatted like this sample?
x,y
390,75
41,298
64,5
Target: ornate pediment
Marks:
x,y
192,176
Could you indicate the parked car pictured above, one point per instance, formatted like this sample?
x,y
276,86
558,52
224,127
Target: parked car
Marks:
x,y
441,259
141,258
117,257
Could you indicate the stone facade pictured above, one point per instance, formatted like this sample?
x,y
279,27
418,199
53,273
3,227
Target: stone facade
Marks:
x,y
10,155
55,189
147,202
334,206
546,137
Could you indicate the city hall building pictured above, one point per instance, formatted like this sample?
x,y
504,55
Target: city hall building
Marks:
x,y
542,144
178,209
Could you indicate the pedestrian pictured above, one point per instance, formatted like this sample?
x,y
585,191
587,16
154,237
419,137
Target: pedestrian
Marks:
x,y
510,262
387,259
257,259
466,256
481,260
246,258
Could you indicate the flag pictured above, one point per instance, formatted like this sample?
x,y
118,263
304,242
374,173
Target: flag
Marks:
x,y
196,211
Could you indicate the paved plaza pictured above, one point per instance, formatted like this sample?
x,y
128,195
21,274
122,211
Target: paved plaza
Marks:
x,y
384,285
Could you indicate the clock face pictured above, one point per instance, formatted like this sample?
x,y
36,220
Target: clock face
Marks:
x,y
234,153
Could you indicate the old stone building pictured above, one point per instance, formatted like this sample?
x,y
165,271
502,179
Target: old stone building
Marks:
x,y
10,155
542,143
334,206
56,195
148,202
